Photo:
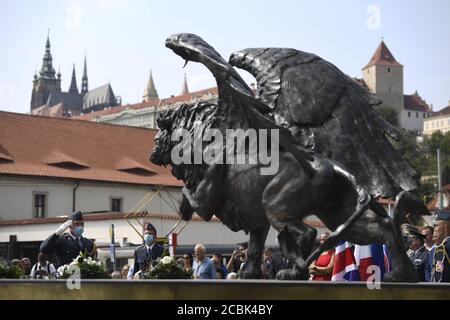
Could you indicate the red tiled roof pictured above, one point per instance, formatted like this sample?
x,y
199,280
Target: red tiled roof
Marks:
x,y
382,56
415,103
54,111
361,82
141,105
151,103
189,96
57,157
82,150
101,217
121,215
442,112
4,154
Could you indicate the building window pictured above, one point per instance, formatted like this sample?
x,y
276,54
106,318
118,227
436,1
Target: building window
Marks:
x,y
423,115
116,204
409,114
40,205
417,114
389,70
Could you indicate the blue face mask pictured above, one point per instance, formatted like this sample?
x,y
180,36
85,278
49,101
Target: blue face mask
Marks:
x,y
148,238
78,231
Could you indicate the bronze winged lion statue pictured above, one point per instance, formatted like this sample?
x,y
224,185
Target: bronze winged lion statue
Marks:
x,y
333,157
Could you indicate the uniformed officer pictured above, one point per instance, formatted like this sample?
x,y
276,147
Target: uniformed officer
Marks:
x,y
148,252
418,254
68,245
440,271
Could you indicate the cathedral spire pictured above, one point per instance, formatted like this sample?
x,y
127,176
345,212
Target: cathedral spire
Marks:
x,y
84,80
185,89
47,70
150,91
73,83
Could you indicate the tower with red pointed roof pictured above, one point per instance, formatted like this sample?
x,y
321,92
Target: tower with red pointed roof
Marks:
x,y
383,76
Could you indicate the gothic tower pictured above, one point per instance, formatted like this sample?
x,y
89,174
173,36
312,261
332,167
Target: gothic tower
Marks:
x,y
150,91
84,80
73,83
46,81
384,77
185,89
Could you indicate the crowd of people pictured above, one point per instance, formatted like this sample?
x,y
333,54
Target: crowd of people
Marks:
x,y
428,251
42,268
213,267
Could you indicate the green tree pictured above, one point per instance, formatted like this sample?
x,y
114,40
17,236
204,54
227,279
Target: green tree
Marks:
x,y
438,140
446,175
411,151
389,114
426,191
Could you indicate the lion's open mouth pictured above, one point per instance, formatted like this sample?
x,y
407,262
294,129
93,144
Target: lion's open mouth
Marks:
x,y
154,158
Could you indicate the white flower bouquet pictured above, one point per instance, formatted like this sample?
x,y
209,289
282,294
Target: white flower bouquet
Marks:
x,y
168,268
89,268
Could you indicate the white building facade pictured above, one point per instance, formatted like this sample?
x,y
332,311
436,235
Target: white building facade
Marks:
x,y
438,122
144,114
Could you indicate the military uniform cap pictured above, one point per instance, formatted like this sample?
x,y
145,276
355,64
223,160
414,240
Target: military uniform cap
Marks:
x,y
76,216
149,226
442,215
411,231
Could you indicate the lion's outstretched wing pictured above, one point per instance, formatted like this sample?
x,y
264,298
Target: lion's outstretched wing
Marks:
x,y
308,93
237,107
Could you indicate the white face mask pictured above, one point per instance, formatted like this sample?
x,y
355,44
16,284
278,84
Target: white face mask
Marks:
x,y
148,238
78,231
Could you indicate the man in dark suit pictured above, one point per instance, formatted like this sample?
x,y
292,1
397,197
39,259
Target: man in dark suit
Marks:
x,y
148,252
419,254
68,245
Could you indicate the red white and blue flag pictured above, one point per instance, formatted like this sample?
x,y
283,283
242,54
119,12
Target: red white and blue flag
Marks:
x,y
345,268
373,254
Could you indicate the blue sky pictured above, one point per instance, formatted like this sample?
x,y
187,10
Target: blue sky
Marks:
x,y
123,39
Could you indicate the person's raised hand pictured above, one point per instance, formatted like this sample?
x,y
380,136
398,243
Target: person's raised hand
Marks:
x,y
63,227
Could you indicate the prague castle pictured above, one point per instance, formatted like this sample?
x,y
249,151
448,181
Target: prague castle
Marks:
x,y
48,99
383,76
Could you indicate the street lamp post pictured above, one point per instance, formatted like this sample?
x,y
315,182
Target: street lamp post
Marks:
x,y
439,179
